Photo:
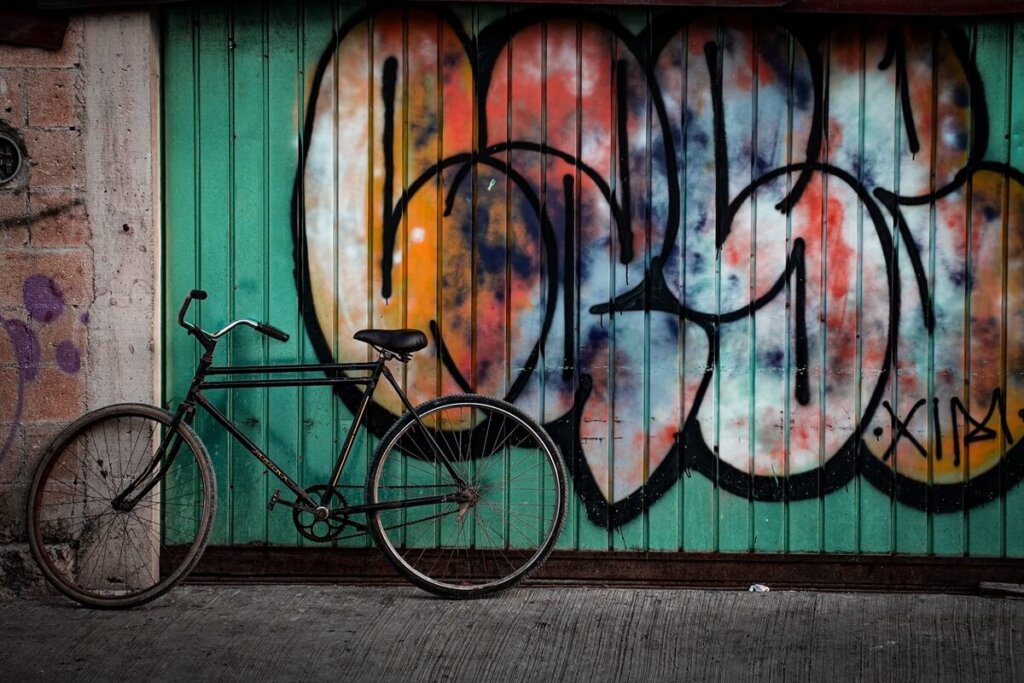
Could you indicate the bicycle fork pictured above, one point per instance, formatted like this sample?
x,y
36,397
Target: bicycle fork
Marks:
x,y
170,444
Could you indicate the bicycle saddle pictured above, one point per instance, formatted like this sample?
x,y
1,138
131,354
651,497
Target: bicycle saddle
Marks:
x,y
399,341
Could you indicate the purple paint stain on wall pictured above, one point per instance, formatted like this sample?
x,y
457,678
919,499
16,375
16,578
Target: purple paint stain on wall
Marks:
x,y
84,318
44,299
26,347
44,302
68,358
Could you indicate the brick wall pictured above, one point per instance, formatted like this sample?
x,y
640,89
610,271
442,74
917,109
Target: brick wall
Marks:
x,y
45,267
75,234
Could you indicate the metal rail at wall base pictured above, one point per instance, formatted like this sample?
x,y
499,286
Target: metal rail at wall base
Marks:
x,y
730,571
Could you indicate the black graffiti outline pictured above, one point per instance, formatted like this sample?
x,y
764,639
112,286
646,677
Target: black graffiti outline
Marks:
x,y
896,51
901,428
50,212
690,451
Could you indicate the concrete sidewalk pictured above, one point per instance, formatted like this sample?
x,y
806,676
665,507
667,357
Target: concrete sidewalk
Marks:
x,y
344,633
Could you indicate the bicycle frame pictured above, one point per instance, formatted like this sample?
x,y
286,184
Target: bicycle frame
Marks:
x,y
332,374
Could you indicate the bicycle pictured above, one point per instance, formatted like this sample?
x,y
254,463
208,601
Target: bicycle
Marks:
x,y
465,494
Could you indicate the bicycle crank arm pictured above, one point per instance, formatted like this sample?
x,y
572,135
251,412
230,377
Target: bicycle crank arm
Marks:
x,y
276,498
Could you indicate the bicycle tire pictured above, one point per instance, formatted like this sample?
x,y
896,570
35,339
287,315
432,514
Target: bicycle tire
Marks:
x,y
492,445
107,558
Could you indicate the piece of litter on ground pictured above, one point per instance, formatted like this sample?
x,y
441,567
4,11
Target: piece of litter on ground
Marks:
x,y
759,588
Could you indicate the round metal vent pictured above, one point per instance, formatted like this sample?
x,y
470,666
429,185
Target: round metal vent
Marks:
x,y
10,159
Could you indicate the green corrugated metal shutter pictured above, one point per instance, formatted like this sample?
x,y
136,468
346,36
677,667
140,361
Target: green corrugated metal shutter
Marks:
x,y
760,277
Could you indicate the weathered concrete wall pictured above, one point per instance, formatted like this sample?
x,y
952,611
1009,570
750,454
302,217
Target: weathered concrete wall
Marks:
x,y
78,245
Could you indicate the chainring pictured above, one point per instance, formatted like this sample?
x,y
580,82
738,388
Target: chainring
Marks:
x,y
321,530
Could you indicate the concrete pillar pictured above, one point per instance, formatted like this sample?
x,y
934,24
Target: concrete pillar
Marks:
x,y
122,143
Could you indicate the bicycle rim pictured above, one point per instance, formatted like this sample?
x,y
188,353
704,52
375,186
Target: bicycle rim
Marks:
x,y
514,478
102,556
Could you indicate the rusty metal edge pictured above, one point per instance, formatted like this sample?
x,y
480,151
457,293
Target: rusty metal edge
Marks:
x,y
636,569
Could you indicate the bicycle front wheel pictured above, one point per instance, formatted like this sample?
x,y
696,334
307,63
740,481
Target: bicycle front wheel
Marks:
x,y
101,551
505,479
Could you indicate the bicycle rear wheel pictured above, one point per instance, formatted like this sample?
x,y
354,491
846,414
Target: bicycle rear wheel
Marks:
x,y
512,500
110,555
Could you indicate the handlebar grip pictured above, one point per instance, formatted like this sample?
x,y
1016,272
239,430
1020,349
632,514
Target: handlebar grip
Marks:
x,y
194,294
272,331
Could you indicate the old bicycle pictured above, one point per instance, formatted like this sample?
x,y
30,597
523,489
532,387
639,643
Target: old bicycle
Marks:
x,y
465,495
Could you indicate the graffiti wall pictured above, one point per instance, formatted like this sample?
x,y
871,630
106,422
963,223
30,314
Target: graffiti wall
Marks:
x,y
759,275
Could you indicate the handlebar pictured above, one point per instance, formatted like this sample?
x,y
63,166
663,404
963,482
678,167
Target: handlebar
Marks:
x,y
206,338
272,331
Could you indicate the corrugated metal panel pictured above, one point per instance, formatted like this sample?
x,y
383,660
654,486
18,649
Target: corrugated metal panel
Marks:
x,y
760,277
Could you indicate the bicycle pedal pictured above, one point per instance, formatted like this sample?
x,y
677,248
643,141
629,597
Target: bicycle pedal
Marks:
x,y
273,499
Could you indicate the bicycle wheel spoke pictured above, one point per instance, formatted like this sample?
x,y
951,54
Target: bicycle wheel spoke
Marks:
x,y
96,493
426,529
496,545
152,540
178,485
524,473
442,553
131,453
120,555
500,447
96,547
525,518
106,445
